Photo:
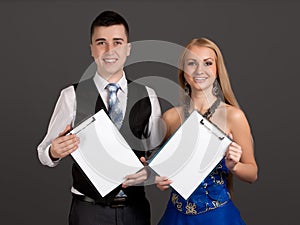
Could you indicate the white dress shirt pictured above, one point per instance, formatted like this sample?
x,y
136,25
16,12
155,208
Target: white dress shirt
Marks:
x,y
65,113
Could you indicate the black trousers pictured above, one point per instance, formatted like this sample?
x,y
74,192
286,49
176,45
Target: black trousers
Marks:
x,y
85,213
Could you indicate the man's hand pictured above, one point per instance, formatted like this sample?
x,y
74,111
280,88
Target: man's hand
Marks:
x,y
63,145
137,178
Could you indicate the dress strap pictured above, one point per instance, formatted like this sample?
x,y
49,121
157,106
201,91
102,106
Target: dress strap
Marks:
x,y
212,109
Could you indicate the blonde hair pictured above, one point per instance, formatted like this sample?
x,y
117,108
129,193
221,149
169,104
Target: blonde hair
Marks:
x,y
222,75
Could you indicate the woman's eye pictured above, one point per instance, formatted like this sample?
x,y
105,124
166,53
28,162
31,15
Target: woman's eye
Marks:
x,y
208,63
191,63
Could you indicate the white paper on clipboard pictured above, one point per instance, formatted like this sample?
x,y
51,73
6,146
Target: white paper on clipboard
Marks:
x,y
190,154
103,154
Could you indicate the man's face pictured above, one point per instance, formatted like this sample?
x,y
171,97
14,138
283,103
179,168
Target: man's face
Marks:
x,y
110,49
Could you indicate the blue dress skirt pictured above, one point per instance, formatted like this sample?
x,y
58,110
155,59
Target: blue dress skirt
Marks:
x,y
210,203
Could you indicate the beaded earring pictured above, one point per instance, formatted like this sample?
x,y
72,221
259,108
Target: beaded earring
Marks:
x,y
215,89
186,88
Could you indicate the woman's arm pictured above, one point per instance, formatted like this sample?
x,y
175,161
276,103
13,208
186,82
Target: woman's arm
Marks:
x,y
172,121
240,158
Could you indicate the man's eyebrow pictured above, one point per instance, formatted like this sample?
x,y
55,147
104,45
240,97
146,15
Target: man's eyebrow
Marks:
x,y
100,39
103,39
118,39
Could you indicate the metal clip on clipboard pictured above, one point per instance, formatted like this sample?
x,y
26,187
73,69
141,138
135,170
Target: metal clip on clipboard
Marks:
x,y
211,131
83,125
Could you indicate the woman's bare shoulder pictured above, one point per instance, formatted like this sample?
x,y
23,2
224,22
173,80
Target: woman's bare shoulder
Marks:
x,y
234,113
173,118
236,117
173,113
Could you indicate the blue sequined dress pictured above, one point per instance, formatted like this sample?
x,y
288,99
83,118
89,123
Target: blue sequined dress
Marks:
x,y
209,204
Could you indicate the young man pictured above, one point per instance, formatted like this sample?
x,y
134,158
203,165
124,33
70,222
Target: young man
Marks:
x,y
138,105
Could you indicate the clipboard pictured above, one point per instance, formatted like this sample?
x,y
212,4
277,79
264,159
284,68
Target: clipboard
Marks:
x,y
191,153
103,154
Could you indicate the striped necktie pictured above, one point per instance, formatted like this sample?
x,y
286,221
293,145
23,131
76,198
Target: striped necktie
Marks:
x,y
114,108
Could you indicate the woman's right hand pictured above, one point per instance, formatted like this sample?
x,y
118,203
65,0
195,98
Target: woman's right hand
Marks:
x,y
163,183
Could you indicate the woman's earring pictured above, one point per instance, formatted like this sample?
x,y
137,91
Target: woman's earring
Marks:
x,y
215,89
186,88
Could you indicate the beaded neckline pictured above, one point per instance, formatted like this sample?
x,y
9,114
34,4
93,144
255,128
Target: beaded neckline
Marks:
x,y
210,111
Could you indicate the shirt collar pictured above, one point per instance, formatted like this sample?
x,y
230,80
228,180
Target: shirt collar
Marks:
x,y
101,83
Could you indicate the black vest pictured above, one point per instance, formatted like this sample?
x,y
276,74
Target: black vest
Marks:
x,y
138,111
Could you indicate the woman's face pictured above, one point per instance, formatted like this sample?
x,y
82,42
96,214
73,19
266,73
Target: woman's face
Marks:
x,y
200,69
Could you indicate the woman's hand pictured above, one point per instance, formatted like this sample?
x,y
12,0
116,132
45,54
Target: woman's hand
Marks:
x,y
233,155
163,183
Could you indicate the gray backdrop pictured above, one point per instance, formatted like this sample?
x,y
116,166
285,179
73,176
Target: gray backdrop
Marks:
x,y
45,47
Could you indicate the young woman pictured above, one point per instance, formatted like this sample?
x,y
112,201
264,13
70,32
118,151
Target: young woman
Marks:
x,y
203,76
